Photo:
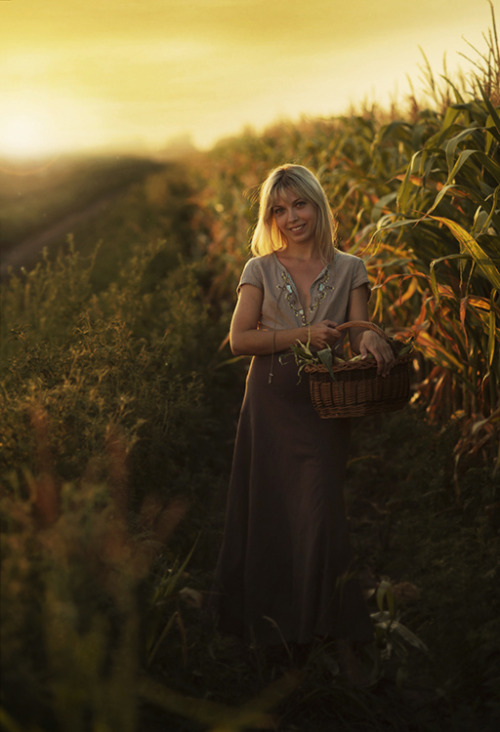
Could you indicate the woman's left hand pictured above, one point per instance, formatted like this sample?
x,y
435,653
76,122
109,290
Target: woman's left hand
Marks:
x,y
371,342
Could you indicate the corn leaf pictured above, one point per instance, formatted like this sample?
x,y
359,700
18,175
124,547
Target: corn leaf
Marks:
x,y
493,337
460,162
446,189
408,636
451,146
385,594
491,109
490,164
326,358
439,353
437,288
405,188
486,223
484,263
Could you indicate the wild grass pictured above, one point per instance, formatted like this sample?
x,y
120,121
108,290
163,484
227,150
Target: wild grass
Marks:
x,y
107,427
37,194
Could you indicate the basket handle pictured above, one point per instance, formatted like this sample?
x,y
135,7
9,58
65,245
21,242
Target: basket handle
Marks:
x,y
363,324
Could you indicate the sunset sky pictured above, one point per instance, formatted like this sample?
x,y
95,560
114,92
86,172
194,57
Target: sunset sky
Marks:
x,y
83,74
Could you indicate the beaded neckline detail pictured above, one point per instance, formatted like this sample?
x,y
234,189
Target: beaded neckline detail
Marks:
x,y
319,287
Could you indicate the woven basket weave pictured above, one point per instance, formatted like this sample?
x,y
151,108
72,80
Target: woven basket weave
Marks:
x,y
357,390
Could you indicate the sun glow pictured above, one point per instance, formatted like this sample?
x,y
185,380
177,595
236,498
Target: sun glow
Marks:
x,y
22,135
28,127
133,75
38,127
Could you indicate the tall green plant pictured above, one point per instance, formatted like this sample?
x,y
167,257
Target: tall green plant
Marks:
x,y
446,211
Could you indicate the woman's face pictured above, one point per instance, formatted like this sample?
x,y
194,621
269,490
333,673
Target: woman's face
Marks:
x,y
295,218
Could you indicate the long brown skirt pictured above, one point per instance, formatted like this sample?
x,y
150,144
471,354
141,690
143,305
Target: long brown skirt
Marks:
x,y
285,566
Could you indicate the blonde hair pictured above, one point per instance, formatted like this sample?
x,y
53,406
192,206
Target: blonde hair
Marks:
x,y
267,238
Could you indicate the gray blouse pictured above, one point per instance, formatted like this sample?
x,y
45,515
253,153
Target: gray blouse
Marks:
x,y
329,295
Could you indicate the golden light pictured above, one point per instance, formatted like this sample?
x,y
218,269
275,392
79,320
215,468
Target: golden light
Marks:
x,y
132,75
28,126
22,136
44,125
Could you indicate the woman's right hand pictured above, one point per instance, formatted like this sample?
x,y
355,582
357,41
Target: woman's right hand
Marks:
x,y
247,338
321,335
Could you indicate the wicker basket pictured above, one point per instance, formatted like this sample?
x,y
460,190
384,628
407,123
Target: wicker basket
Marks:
x,y
357,389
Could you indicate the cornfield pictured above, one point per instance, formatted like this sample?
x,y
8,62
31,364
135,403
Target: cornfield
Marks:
x,y
418,199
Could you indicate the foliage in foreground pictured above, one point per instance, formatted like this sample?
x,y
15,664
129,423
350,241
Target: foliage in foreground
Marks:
x,y
102,398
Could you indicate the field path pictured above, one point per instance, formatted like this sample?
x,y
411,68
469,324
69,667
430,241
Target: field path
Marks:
x,y
27,252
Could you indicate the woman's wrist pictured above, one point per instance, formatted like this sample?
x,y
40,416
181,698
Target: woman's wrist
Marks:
x,y
304,334
286,338
356,336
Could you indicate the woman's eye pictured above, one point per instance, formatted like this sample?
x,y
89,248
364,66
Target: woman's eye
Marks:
x,y
278,211
300,204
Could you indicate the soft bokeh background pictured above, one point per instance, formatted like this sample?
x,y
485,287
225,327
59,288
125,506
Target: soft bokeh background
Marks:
x,y
87,74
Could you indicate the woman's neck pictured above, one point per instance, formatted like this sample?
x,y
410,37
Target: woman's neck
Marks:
x,y
299,253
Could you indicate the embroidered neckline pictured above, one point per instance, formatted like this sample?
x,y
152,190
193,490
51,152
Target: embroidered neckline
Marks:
x,y
320,287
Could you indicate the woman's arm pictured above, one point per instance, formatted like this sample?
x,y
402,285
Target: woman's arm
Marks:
x,y
247,339
366,341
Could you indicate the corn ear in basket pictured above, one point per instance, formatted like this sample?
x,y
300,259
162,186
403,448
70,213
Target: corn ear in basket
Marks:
x,y
353,388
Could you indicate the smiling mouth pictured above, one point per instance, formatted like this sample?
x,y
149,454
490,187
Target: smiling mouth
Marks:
x,y
297,228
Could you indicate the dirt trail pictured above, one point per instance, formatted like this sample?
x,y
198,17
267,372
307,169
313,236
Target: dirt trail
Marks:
x,y
27,252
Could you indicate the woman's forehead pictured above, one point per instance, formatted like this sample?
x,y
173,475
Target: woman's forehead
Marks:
x,y
284,194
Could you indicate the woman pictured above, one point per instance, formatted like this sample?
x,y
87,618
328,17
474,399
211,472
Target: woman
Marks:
x,y
285,569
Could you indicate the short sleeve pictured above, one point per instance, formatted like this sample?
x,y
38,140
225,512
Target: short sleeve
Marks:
x,y
360,277
252,275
